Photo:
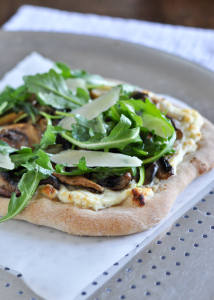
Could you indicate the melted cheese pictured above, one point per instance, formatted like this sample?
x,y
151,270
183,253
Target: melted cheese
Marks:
x,y
84,199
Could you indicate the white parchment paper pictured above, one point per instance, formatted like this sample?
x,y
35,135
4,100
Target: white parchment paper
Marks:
x,y
54,264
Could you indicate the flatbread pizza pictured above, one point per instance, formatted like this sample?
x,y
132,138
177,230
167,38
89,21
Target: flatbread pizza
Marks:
x,y
95,157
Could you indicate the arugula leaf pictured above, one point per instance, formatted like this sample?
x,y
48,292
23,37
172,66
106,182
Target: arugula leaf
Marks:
x,y
119,137
63,69
22,156
28,108
51,90
92,80
162,152
97,124
82,164
81,134
135,150
49,137
153,119
44,162
128,110
127,89
82,94
28,184
12,98
114,113
142,176
54,101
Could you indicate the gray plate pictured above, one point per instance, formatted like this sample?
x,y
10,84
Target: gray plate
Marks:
x,y
148,68
145,67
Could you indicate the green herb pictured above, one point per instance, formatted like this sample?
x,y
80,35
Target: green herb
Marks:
x,y
52,90
153,119
119,137
28,185
97,125
128,110
142,176
22,156
159,154
62,69
15,100
49,138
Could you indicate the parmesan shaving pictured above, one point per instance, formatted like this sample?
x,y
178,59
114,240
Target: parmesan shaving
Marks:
x,y
96,159
92,109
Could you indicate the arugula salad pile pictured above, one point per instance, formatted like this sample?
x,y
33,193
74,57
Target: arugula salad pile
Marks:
x,y
114,122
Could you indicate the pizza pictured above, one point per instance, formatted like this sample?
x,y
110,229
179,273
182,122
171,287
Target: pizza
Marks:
x,y
96,157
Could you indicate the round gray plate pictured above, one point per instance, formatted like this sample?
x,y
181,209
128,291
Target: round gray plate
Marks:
x,y
142,66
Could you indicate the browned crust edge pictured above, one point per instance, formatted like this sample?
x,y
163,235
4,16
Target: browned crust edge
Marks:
x,y
128,217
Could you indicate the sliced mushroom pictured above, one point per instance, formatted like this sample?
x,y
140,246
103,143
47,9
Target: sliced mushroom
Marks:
x,y
94,93
9,118
52,180
8,185
79,181
115,182
139,95
21,134
42,124
179,133
150,173
165,170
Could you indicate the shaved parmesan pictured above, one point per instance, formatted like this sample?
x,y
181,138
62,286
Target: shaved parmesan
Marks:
x,y
92,109
5,162
74,83
96,159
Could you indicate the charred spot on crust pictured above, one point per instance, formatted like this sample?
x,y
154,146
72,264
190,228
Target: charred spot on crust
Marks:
x,y
202,167
49,191
137,196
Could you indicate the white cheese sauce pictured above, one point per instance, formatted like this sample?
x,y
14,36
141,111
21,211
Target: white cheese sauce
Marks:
x,y
86,199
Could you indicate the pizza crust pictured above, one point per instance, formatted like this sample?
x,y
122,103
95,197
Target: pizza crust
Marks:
x,y
129,217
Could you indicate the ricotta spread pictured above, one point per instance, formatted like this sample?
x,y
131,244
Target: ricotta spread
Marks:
x,y
85,199
189,121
